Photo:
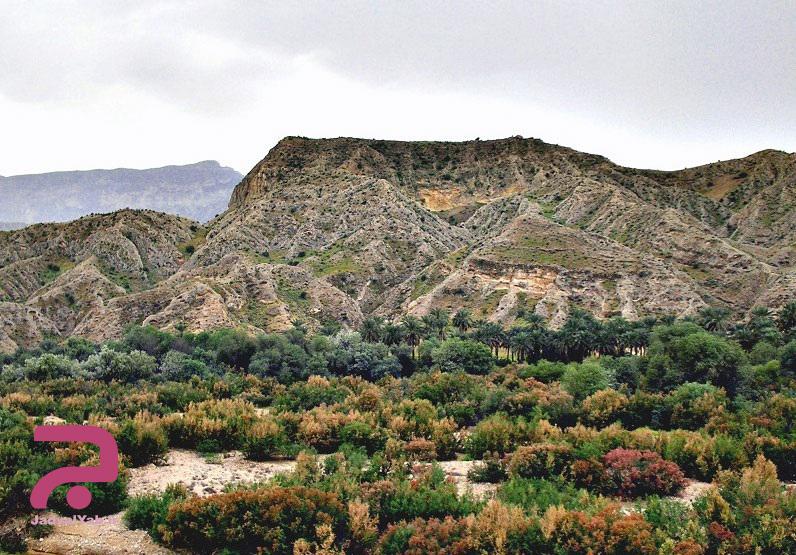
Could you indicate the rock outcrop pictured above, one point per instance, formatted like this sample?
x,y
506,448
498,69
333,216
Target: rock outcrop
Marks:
x,y
338,229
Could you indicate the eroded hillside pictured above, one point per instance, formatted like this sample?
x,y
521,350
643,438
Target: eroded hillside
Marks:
x,y
337,229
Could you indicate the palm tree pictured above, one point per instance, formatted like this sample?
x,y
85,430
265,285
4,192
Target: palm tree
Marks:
x,y
491,334
714,318
613,336
786,319
413,331
462,320
579,335
392,334
760,327
371,329
436,321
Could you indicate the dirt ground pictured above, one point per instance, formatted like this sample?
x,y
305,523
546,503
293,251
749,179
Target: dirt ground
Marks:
x,y
200,475
204,476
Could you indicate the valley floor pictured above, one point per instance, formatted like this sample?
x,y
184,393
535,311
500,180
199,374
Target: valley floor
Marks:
x,y
206,476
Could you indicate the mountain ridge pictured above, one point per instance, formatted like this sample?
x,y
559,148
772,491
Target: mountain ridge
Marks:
x,y
338,229
199,190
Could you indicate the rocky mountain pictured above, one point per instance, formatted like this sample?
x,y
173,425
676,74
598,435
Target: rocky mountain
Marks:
x,y
338,229
199,191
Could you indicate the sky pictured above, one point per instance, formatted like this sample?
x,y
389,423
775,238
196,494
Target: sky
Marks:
x,y
105,84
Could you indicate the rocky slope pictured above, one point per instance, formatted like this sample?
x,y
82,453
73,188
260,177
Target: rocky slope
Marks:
x,y
199,191
342,228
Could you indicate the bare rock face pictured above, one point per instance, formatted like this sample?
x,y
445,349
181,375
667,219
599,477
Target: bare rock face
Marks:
x,y
337,229
22,326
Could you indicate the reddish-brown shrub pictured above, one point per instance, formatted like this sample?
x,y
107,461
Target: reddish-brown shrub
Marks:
x,y
607,531
631,473
419,449
419,537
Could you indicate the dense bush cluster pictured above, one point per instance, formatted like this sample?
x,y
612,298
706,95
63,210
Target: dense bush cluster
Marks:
x,y
568,423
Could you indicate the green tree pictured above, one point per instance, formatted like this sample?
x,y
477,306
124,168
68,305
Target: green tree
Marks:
x,y
392,334
462,320
579,336
371,329
714,318
582,379
786,320
413,331
463,354
436,322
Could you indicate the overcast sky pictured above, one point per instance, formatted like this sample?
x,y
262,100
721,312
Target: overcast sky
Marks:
x,y
103,84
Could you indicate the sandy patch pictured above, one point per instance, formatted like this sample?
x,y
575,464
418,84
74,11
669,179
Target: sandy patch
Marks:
x,y
201,476
457,470
88,539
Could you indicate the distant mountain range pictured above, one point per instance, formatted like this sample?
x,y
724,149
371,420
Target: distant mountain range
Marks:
x,y
198,191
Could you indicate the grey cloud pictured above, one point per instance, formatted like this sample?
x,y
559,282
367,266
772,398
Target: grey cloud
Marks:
x,y
695,70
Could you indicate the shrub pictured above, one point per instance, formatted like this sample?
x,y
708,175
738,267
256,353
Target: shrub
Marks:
x,y
604,406
420,449
630,473
270,520
429,495
544,371
362,434
108,365
148,512
607,531
540,460
49,367
142,440
494,434
443,434
264,440
787,359
106,497
433,535
321,428
692,405
179,367
491,470
536,495
582,380
213,424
